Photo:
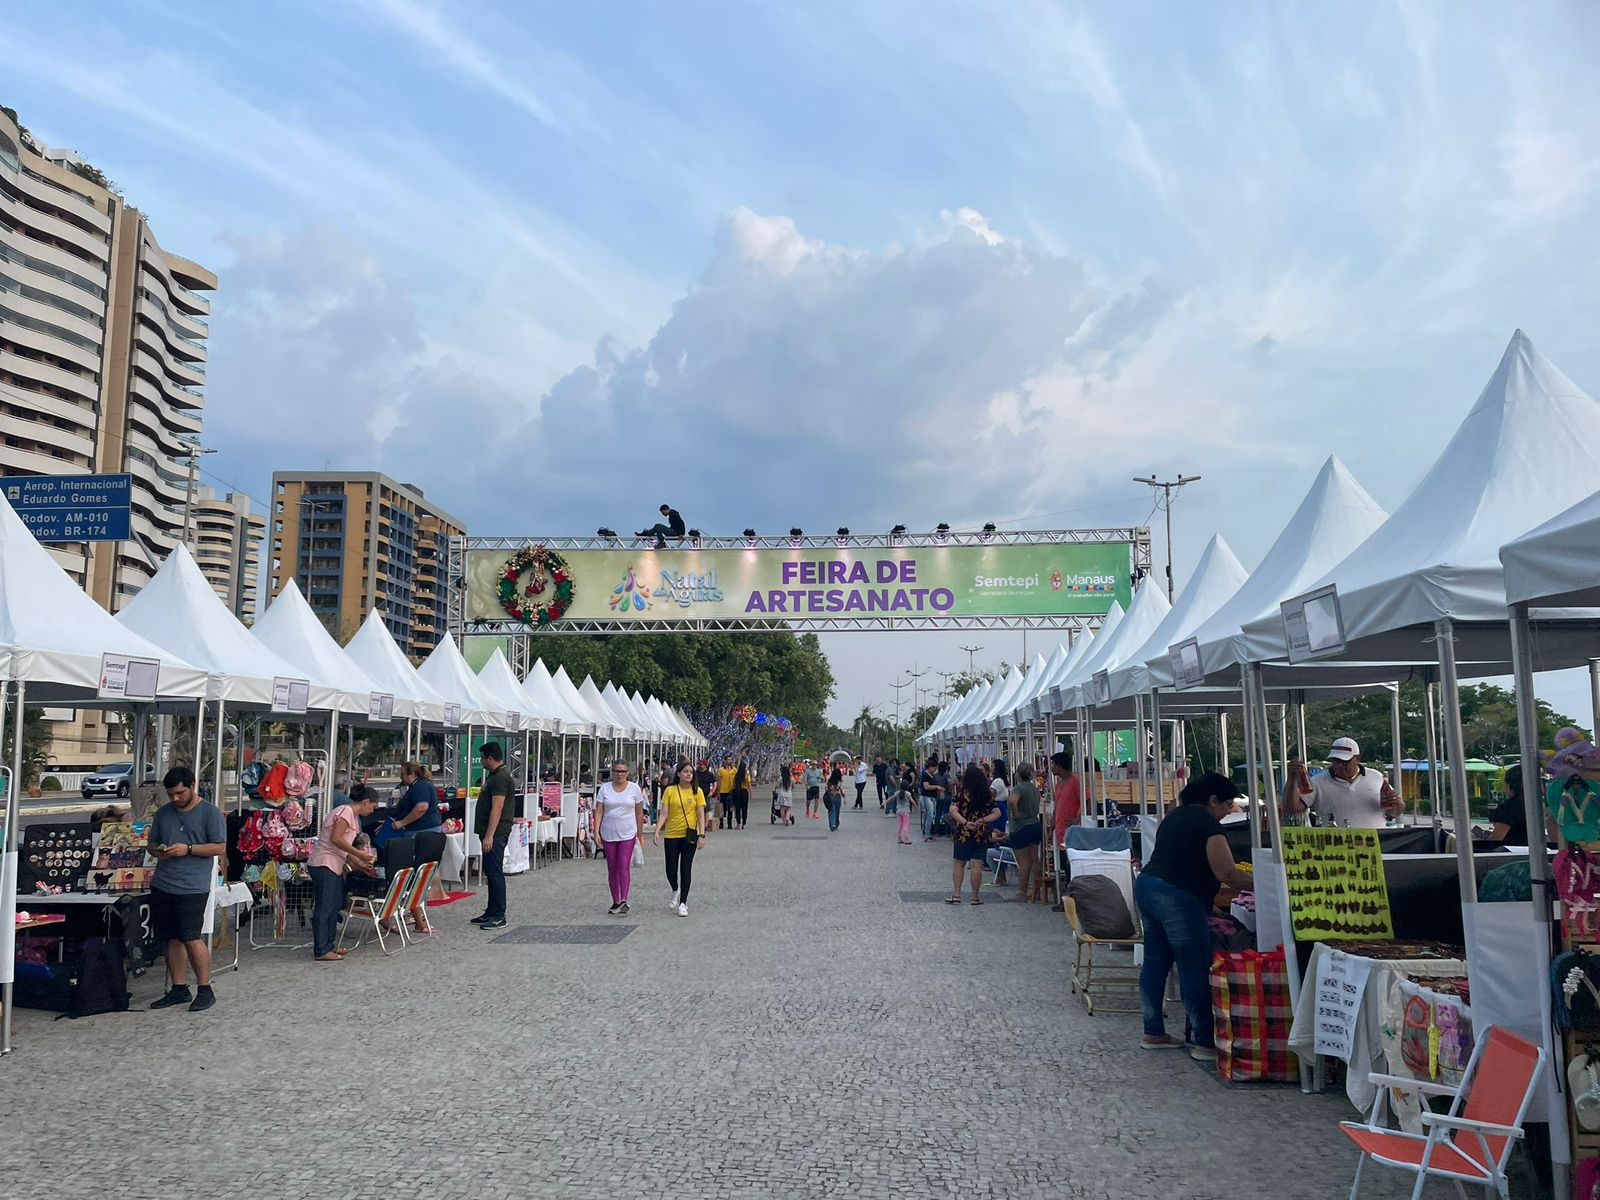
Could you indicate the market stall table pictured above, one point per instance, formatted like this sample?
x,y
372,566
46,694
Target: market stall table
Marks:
x,y
1356,1030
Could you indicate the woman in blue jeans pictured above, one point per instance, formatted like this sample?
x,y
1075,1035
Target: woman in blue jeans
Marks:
x,y
1175,892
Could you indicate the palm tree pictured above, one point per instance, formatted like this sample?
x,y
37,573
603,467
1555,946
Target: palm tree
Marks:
x,y
869,730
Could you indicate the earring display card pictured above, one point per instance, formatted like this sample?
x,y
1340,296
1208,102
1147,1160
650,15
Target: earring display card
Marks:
x,y
53,859
121,847
1337,888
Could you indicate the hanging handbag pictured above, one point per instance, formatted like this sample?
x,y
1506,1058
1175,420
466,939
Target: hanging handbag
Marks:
x,y
690,833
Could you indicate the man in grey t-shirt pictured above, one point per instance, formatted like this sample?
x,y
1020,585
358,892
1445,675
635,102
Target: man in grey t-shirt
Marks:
x,y
186,837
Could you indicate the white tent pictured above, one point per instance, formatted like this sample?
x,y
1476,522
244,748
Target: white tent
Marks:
x,y
599,724
541,700
498,680
966,707
1111,649
373,649
1522,455
1335,517
598,703
291,630
1032,679
52,635
1557,564
178,611
447,673
1038,684
1217,576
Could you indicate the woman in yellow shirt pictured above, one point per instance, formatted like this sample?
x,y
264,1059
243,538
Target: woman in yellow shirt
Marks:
x,y
683,825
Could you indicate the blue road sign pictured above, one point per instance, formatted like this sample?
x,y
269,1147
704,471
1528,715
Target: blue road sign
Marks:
x,y
72,508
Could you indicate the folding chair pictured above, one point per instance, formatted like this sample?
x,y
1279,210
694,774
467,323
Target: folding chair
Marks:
x,y
380,914
1000,857
1092,975
1472,1142
429,852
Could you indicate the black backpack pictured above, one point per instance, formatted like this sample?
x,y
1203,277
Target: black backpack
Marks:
x,y
101,985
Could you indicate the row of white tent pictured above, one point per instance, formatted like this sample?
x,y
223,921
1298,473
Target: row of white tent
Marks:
x,y
54,641
1523,455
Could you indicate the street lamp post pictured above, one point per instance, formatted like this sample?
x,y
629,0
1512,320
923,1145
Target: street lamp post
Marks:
x,y
195,451
898,687
1164,501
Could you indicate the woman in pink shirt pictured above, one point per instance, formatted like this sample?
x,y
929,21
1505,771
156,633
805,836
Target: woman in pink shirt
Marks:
x,y
330,859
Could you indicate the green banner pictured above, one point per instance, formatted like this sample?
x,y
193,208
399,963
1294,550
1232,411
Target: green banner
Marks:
x,y
678,585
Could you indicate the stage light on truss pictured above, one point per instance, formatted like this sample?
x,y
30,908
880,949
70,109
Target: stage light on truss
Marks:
x,y
749,539
610,534
988,532
695,539
941,533
796,537
898,532
841,537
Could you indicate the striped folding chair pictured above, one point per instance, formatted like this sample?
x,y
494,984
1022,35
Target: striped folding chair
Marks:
x,y
416,905
380,912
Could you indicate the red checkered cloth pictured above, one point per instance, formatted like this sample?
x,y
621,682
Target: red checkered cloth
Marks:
x,y
1250,1005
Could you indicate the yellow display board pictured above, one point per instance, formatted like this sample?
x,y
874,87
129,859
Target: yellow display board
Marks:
x,y
1336,885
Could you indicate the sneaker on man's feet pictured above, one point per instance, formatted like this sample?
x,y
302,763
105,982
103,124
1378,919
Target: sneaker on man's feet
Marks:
x,y
480,918
496,923
683,910
612,911
177,994
622,909
204,998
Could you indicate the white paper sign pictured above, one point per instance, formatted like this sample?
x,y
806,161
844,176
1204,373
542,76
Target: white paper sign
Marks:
x,y
125,678
380,707
1313,625
452,714
1102,687
1055,699
513,720
1341,983
1186,669
291,695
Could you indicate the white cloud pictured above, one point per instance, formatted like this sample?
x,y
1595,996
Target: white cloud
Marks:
x,y
1550,172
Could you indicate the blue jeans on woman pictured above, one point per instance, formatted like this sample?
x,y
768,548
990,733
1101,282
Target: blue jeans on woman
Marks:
x,y
327,899
834,803
1176,930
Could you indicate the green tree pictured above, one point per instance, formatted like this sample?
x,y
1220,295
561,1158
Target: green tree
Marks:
x,y
35,744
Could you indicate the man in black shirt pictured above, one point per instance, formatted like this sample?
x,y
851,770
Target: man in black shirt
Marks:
x,y
673,528
492,823
880,776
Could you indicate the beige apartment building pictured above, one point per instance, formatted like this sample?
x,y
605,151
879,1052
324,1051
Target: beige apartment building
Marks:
x,y
102,366
358,541
225,538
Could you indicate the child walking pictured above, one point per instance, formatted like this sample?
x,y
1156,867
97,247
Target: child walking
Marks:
x,y
783,800
902,807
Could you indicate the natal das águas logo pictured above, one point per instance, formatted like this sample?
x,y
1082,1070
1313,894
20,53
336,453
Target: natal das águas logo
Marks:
x,y
632,596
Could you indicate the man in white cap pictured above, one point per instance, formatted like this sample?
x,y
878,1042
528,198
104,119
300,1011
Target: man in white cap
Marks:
x,y
1349,795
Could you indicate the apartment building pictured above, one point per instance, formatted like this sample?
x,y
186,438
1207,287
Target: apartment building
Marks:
x,y
358,541
225,537
102,352
102,368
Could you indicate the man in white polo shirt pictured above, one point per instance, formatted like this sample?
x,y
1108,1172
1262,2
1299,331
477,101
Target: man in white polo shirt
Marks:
x,y
1349,795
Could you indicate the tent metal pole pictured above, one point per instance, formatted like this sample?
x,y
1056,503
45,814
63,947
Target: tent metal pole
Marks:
x,y
1432,738
1268,767
1096,803
1224,751
199,739
1139,753
1300,726
1155,730
216,766
8,869
1252,787
1283,738
1455,747
1396,750
1594,693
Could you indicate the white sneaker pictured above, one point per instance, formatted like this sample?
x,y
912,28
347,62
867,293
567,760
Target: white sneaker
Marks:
x,y
683,910
673,903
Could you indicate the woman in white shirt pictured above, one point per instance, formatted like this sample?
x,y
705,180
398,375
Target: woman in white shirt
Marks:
x,y
619,828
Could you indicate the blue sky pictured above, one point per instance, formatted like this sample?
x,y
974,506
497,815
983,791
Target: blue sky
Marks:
x,y
554,263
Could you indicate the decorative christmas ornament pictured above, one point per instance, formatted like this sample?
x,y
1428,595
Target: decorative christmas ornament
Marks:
x,y
543,567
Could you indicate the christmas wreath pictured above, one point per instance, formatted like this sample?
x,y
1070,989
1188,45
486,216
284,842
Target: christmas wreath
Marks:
x,y
543,567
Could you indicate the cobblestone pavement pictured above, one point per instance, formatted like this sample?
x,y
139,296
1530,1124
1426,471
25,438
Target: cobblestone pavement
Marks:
x,y
805,1033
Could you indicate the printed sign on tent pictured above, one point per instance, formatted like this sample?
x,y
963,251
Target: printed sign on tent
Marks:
x,y
1101,684
1186,669
291,695
1336,885
1341,982
380,707
126,678
1313,625
452,714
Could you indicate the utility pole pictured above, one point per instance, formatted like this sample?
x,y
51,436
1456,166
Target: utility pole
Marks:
x,y
1164,502
947,676
195,451
916,690
971,650
897,689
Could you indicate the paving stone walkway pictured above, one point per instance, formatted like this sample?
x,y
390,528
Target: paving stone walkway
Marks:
x,y
816,1028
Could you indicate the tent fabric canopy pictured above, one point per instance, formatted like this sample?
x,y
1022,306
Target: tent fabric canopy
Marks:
x,y
291,630
497,680
1555,565
1522,455
599,723
373,649
178,611
447,673
52,635
541,698
1148,609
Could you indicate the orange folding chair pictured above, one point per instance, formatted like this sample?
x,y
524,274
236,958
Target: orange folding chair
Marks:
x,y
1470,1143
380,913
417,903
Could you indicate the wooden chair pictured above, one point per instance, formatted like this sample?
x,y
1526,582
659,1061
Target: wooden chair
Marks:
x,y
1472,1142
1113,986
